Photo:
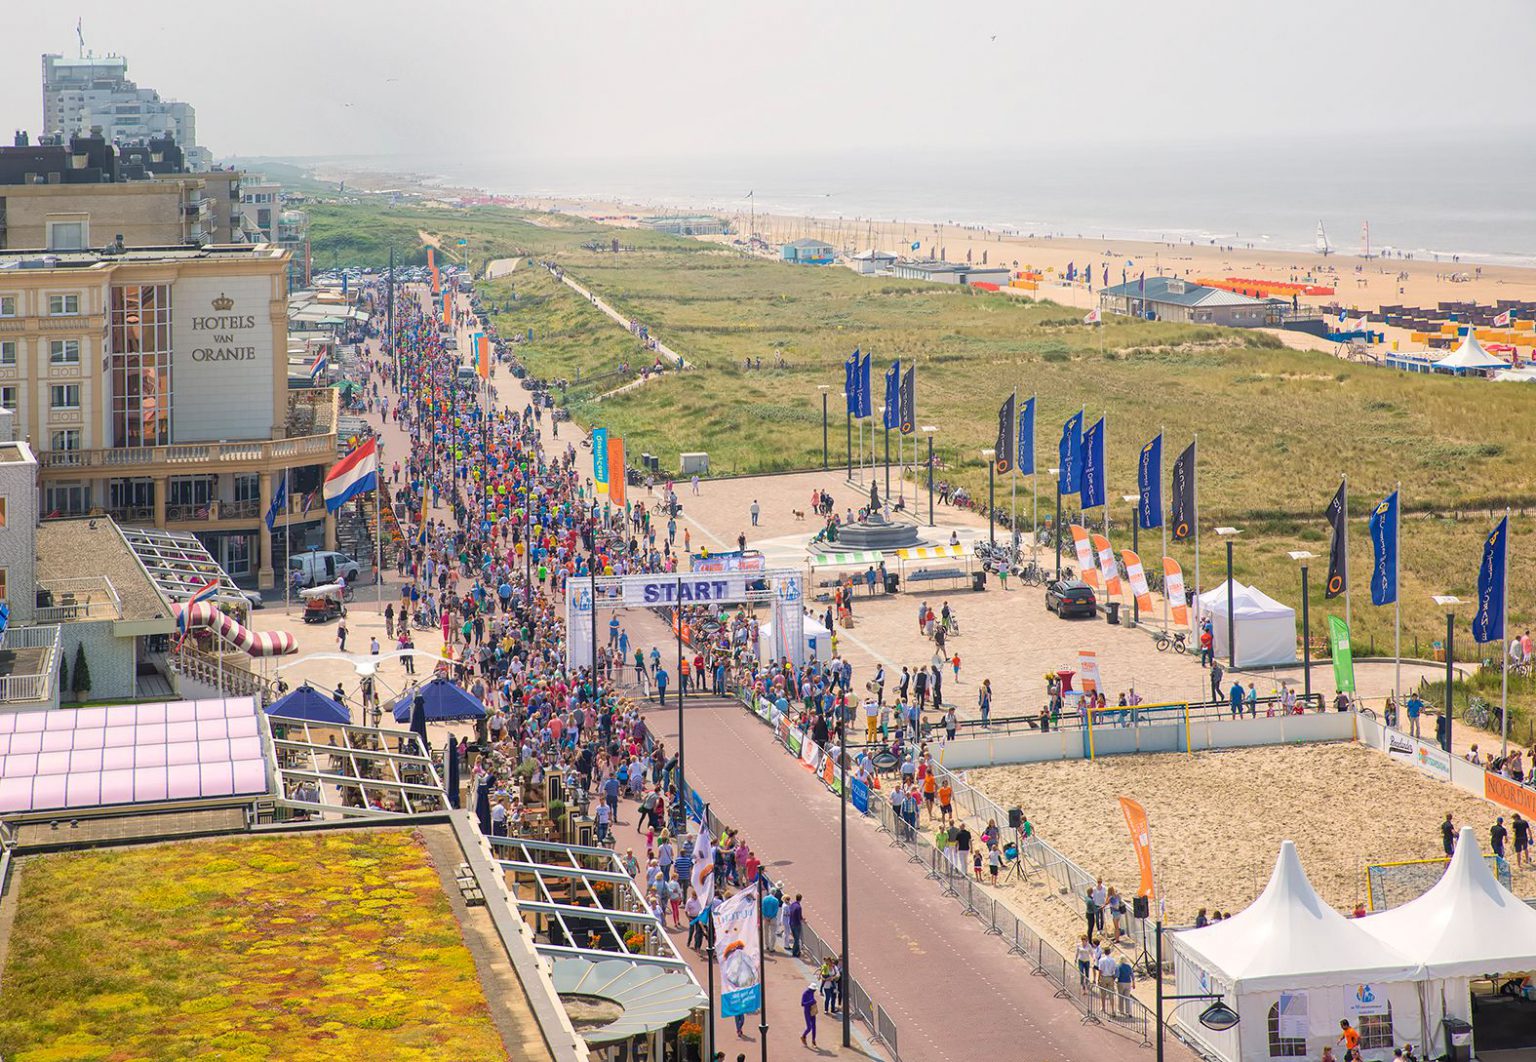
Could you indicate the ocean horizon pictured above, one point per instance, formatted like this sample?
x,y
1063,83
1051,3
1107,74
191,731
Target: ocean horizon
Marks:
x,y
1420,201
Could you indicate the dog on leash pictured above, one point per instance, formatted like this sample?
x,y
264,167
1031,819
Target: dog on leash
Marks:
x,y
799,513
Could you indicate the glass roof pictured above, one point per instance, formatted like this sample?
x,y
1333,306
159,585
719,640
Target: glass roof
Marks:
x,y
178,563
353,771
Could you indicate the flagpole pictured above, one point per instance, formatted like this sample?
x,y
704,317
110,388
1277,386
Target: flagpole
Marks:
x,y
1397,600
1503,652
1013,518
1034,481
1194,473
378,502
1164,521
1344,522
287,545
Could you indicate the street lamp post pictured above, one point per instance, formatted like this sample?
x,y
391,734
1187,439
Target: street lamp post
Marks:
x,y
1056,475
1134,500
1229,533
824,389
989,456
850,440
928,430
1447,712
1306,627
842,785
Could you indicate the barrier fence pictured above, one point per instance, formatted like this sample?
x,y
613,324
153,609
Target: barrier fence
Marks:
x,y
1123,1013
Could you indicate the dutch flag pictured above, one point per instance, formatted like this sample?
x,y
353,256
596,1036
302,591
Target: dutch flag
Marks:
x,y
207,592
354,474
317,367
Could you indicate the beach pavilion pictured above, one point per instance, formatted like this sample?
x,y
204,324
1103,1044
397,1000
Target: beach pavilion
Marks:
x,y
1265,629
1465,928
1292,967
1470,359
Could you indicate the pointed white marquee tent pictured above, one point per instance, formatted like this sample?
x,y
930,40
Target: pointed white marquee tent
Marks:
x,y
1290,949
1265,629
1469,356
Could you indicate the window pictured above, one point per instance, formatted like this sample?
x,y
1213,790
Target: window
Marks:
x,y
64,352
64,439
7,306
139,328
190,490
8,397
1376,1030
63,305
7,352
64,396
131,493
2,513
1283,1046
66,499
66,235
247,486
3,582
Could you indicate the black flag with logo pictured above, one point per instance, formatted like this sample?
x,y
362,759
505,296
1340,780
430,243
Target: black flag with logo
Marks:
x,y
1182,497
1338,561
907,400
1003,458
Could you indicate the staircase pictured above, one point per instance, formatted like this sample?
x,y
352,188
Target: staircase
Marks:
x,y
357,530
232,677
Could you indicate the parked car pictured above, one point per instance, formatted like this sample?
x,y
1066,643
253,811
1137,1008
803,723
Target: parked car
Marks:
x,y
1071,598
318,567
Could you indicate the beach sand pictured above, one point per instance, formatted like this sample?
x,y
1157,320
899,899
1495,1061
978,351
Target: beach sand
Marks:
x,y
1217,820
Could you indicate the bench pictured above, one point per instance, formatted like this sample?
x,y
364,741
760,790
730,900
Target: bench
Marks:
x,y
468,887
930,574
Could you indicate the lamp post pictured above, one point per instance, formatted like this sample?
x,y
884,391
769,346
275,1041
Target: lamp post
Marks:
x,y
1306,627
825,389
1218,1017
928,430
989,456
1134,500
1230,533
1448,600
842,785
1056,475
850,438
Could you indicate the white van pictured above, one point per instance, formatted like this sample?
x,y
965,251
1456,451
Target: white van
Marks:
x,y
318,567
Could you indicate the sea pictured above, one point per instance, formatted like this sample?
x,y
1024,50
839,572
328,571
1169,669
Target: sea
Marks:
x,y
1428,197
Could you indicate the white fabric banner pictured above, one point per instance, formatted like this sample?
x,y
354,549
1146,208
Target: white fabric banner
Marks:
x,y
789,620
1293,1016
578,625
696,588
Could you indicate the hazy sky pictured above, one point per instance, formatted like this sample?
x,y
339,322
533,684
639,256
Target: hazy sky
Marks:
x,y
566,79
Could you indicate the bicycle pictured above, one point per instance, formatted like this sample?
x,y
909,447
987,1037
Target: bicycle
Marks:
x,y
1177,641
1031,574
1478,713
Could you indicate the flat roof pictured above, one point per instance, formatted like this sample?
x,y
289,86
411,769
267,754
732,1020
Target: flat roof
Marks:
x,y
15,453
39,258
61,544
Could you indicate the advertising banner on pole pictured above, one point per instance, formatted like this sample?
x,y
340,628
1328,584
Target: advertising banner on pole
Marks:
x,y
741,989
1343,659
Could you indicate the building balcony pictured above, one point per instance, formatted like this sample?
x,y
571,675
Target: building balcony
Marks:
x,y
70,600
29,665
193,457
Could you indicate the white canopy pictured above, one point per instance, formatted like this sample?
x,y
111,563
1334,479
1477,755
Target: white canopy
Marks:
x,y
1467,925
1289,939
1470,355
1265,629
818,640
863,558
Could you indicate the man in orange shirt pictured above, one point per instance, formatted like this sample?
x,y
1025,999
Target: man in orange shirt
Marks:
x,y
946,802
1350,1038
930,790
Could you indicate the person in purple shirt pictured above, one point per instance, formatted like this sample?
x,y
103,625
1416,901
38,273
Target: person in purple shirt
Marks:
x,y
808,1005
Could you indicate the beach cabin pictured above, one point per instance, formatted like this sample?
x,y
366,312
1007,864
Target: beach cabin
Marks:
x,y
1175,299
871,262
808,252
954,273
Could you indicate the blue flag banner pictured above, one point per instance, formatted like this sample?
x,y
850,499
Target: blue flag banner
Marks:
x,y
279,502
1026,450
1069,453
1149,485
892,416
600,459
850,388
1091,482
1488,624
1383,525
861,384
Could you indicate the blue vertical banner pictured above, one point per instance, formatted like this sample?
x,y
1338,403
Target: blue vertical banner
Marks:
x,y
1149,485
1026,447
866,400
858,793
850,386
600,459
1383,525
892,416
1070,454
1488,624
1091,482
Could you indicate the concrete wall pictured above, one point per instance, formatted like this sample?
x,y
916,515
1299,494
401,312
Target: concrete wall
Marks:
x,y
112,661
146,213
18,538
1109,740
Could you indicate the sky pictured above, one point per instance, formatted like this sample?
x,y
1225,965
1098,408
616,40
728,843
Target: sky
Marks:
x,y
677,79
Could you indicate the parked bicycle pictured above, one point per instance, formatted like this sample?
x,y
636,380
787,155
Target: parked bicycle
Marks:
x,y
1176,641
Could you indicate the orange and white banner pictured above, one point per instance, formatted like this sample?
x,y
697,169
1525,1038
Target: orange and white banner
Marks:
x,y
1141,841
1138,578
616,482
1088,678
1108,566
447,310
483,357
1085,568
1173,589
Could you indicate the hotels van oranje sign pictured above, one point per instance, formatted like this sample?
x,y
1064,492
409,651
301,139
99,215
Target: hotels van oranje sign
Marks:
x,y
224,325
1516,797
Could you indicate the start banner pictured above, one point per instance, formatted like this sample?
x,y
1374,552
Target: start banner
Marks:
x,y
649,591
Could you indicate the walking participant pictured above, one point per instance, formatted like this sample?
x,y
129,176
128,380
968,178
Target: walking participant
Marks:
x,y
808,1005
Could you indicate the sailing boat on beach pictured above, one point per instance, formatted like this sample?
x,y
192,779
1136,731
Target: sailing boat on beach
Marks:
x,y
1322,240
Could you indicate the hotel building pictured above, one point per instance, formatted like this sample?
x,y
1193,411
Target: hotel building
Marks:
x,y
152,385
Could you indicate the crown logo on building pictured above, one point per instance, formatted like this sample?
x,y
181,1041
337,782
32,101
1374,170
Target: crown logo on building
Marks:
x,y
223,303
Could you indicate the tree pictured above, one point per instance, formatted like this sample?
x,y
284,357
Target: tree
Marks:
x,y
82,684
63,675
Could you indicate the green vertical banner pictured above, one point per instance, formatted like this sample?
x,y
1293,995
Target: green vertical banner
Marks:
x,y
1343,659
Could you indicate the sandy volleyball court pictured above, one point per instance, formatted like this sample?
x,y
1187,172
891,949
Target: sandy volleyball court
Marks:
x,y
1218,819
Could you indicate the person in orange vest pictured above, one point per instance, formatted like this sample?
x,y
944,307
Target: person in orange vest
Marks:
x,y
684,669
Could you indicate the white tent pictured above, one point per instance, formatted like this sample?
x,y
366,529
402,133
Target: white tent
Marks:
x,y
1265,629
1469,356
1289,947
818,640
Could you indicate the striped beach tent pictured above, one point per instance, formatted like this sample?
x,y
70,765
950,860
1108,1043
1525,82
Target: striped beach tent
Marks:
x,y
920,553
860,558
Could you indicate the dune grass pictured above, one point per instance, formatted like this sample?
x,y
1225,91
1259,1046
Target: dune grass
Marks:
x,y
1277,427
333,945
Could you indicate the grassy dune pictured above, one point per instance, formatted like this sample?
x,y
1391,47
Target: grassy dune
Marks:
x,y
1277,427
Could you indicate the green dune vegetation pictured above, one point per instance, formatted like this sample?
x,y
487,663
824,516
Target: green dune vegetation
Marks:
x,y
1277,427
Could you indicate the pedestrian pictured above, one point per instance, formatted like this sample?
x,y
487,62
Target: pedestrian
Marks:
x,y
1217,674
1496,837
808,1005
1125,982
1084,958
771,905
1448,834
1522,830
794,924
755,511
1100,901
341,634
983,698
